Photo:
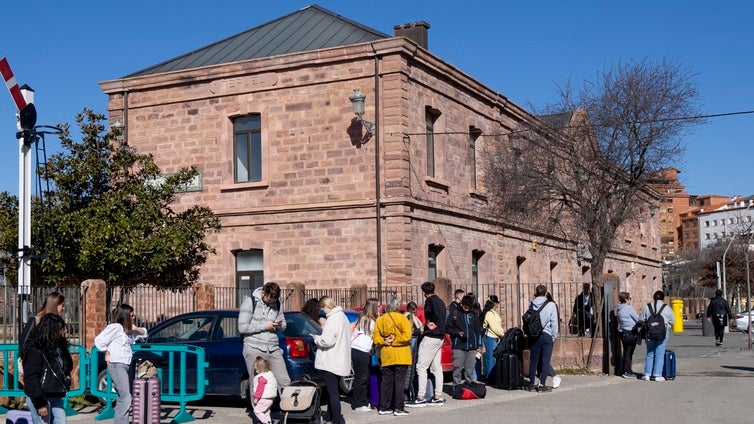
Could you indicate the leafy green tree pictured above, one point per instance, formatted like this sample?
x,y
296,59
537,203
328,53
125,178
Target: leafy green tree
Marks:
x,y
8,236
108,215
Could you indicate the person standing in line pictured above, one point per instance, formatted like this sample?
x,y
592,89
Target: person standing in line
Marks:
x,y
455,305
465,331
417,327
429,356
655,359
116,341
627,318
541,350
46,348
718,311
492,324
259,320
361,348
392,333
265,390
583,310
333,355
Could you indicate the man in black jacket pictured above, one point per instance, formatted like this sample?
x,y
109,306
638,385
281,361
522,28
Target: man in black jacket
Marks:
x,y
430,347
583,310
465,331
718,311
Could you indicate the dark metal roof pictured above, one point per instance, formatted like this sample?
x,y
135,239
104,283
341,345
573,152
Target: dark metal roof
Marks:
x,y
310,28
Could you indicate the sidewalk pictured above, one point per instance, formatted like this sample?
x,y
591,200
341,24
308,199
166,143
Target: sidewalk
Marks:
x,y
702,369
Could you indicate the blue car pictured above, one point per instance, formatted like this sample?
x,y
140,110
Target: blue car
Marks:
x,y
216,331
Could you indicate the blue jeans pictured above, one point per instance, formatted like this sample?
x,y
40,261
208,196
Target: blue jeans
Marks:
x,y
655,359
490,343
54,407
541,352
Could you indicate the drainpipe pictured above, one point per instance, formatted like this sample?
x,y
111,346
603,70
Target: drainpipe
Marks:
x,y
378,205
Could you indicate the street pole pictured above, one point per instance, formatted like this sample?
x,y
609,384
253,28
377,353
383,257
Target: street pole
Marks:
x,y
748,286
24,213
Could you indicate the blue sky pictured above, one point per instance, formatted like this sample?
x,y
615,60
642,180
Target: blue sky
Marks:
x,y
520,49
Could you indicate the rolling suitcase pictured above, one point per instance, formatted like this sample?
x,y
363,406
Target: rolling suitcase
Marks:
x,y
668,370
18,416
146,408
508,375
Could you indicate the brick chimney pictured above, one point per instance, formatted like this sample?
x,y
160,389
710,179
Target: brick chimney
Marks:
x,y
415,31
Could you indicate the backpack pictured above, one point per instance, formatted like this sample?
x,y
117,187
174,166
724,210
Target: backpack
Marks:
x,y
532,324
654,326
512,342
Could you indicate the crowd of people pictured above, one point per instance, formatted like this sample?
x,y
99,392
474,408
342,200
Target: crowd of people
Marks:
x,y
404,348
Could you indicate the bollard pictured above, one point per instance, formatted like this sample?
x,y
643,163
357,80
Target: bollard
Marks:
x,y
677,306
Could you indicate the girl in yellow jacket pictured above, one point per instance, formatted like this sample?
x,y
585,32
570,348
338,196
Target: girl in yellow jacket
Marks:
x,y
392,335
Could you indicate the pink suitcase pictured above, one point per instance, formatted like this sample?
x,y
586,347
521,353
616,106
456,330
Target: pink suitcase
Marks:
x,y
18,416
146,401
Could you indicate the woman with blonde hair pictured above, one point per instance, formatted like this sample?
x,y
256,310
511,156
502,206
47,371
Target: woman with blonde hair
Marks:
x,y
392,333
333,355
361,347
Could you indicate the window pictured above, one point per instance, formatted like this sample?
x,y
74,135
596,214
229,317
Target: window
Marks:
x,y
249,272
430,116
670,210
247,133
714,223
706,236
706,223
433,252
474,133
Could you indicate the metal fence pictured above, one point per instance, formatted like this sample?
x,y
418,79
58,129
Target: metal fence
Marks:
x,y
30,304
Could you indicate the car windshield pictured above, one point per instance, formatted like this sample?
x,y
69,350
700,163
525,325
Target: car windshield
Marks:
x,y
298,324
187,329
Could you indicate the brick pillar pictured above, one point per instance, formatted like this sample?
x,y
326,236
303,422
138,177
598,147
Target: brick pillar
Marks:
x,y
93,310
444,289
205,296
358,296
296,299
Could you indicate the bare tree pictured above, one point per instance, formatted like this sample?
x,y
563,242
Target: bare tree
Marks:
x,y
580,169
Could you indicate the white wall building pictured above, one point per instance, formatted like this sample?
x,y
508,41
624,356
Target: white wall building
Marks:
x,y
726,221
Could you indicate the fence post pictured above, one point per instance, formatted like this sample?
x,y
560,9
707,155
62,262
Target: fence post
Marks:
x,y
296,299
205,296
93,310
358,296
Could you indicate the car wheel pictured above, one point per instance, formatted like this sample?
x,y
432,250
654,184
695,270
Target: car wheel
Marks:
x,y
346,383
102,385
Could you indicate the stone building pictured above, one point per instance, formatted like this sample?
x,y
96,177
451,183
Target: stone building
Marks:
x,y
307,195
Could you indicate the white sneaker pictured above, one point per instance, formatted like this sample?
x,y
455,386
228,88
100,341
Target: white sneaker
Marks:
x,y
556,382
365,408
645,377
658,378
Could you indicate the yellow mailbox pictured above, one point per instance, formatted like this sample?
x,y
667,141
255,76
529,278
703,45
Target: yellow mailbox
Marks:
x,y
677,306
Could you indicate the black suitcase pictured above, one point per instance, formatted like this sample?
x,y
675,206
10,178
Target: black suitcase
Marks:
x,y
508,374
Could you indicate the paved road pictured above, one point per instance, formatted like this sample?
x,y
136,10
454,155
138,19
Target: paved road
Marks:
x,y
712,385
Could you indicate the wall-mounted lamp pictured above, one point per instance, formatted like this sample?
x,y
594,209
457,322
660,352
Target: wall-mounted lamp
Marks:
x,y
533,246
357,102
652,209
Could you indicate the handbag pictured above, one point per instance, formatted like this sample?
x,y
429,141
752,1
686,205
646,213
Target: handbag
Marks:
x,y
52,383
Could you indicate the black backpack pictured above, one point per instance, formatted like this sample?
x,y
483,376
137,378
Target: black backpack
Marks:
x,y
654,326
512,342
532,323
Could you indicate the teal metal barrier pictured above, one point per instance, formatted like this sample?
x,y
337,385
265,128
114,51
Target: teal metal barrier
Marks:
x,y
178,358
12,387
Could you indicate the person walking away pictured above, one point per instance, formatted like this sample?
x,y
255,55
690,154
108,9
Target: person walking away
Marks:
x,y
718,311
492,324
361,348
417,327
655,359
392,333
429,355
265,390
333,355
116,341
47,370
541,349
259,320
627,319
583,310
